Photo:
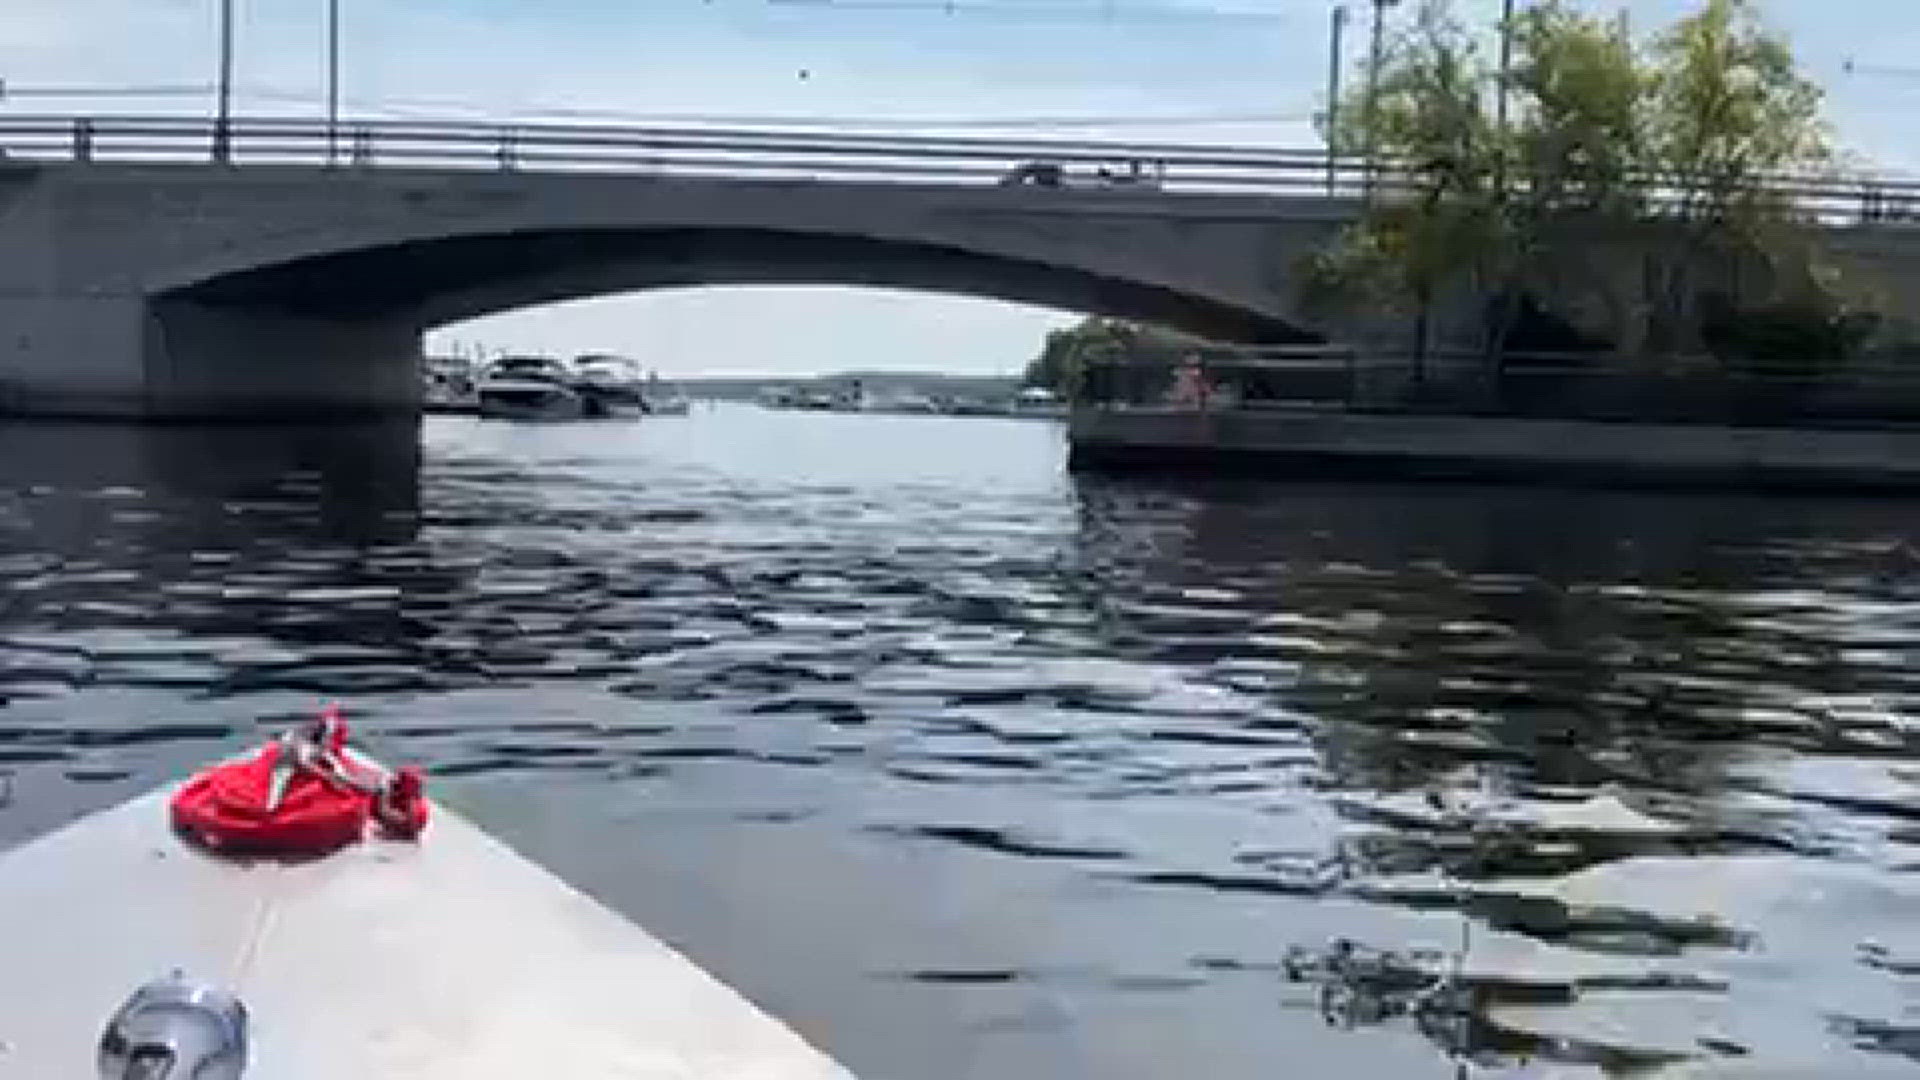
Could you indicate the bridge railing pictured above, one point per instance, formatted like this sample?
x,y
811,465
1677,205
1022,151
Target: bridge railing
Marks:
x,y
680,151
1834,198
1591,386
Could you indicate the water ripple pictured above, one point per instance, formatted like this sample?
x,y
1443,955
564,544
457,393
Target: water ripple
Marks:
x,y
945,755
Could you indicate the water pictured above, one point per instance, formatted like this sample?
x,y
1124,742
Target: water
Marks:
x,y
972,769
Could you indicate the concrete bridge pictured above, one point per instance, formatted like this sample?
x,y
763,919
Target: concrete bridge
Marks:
x,y
137,279
294,273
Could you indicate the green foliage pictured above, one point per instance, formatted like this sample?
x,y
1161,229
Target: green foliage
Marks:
x,y
1059,366
1070,353
1667,141
1782,336
1428,114
1729,106
1581,130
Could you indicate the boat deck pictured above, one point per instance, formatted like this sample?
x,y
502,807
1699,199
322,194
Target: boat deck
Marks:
x,y
453,957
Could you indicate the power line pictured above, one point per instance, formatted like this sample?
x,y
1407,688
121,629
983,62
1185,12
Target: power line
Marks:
x,y
442,108
416,108
8,90
431,108
1852,67
1104,10
984,123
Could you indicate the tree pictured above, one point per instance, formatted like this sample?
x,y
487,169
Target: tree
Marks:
x,y
1658,153
1730,110
1069,360
1582,131
1057,368
1572,151
1433,215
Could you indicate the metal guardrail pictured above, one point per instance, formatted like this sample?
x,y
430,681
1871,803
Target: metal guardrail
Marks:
x,y
797,154
676,151
1678,389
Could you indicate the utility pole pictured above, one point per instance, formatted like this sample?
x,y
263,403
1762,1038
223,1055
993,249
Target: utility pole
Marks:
x,y
1373,84
1335,51
223,118
1501,90
1501,325
333,80
1373,54
1506,60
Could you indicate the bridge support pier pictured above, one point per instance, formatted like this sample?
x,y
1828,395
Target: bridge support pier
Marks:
x,y
125,357
204,361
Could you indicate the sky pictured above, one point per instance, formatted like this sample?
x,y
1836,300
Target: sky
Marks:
x,y
919,63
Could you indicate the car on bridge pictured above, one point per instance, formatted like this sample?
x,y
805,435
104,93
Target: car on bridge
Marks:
x,y
1133,173
1035,174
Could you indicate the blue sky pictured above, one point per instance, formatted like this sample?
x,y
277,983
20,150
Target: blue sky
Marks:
x,y
900,59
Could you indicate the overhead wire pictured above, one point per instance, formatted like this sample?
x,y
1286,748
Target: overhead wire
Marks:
x,y
442,108
1101,11
1854,67
423,108
9,90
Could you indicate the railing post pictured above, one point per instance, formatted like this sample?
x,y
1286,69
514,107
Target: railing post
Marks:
x,y
505,150
83,140
222,141
362,146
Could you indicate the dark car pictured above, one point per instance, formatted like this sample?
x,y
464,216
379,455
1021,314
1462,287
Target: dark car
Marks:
x,y
1035,174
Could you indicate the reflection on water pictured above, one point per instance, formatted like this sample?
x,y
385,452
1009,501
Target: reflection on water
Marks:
x,y
67,488
971,769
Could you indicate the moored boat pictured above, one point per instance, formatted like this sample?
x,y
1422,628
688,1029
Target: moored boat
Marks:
x,y
609,386
1039,401
903,402
529,388
975,407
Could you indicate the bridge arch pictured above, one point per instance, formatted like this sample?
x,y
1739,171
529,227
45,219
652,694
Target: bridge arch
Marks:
x,y
433,281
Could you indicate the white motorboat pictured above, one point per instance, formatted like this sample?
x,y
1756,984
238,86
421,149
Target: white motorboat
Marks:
x,y
1038,401
903,402
610,386
530,388
445,957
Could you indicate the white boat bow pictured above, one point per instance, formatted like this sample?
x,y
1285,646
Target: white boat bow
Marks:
x,y
446,957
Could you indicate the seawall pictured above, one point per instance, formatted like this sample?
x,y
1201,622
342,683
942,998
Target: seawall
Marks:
x,y
1307,443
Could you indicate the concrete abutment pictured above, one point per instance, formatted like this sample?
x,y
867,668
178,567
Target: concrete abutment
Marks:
x,y
118,356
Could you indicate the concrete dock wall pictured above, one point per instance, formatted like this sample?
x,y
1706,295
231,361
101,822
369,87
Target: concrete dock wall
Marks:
x,y
1303,443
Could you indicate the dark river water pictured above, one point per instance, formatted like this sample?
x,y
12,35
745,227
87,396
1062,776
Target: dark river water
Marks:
x,y
970,768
